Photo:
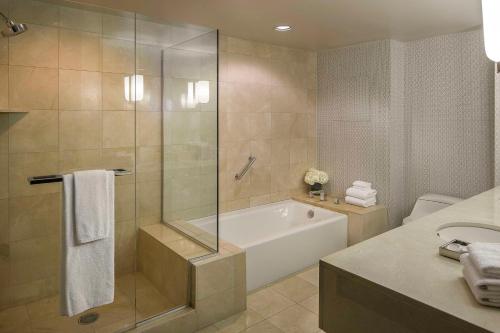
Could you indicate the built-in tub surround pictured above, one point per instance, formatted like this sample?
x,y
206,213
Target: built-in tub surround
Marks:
x,y
267,109
281,238
401,269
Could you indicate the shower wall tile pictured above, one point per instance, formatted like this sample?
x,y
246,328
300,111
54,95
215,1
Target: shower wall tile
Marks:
x,y
80,130
73,160
38,48
79,90
148,128
4,176
35,12
268,110
80,19
33,88
113,96
118,129
36,131
4,51
4,87
118,56
79,50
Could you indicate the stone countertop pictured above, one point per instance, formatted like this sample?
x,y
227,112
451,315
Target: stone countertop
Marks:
x,y
341,207
406,260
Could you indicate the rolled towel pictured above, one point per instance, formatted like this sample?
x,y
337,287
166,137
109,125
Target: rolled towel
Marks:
x,y
486,258
361,193
362,184
485,291
360,202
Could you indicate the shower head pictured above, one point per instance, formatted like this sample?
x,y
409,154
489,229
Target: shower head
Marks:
x,y
12,28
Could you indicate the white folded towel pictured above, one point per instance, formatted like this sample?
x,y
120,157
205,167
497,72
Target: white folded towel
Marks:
x,y
87,270
486,258
362,184
360,202
361,193
92,205
486,291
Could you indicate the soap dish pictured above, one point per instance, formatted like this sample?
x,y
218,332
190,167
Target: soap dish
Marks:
x,y
453,249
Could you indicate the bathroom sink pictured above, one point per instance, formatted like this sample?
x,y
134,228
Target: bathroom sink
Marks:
x,y
469,232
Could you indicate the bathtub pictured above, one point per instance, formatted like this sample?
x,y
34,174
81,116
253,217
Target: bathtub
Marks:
x,y
280,238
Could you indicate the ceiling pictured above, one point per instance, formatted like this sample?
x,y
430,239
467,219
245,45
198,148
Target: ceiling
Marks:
x,y
317,24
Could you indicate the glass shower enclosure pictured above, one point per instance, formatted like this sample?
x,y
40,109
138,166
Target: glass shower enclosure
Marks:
x,y
105,89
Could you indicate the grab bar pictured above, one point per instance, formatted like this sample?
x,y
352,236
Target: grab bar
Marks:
x,y
33,180
251,161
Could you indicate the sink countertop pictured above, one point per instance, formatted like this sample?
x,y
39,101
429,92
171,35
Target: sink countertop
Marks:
x,y
406,260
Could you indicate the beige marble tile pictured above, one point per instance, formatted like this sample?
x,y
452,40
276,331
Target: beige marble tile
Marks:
x,y
4,133
239,322
264,327
113,93
267,302
72,160
148,128
311,275
208,329
295,289
118,56
23,165
37,47
296,320
33,88
282,124
4,230
260,181
148,60
149,163
36,12
80,19
298,151
79,50
260,126
4,176
115,158
80,130
311,304
187,248
79,90
118,129
280,152
34,216
35,131
4,87
151,100
124,202
148,199
117,26
182,127
15,320
4,51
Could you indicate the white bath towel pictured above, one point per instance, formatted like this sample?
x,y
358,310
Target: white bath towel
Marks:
x,y
486,258
87,270
92,206
479,286
361,193
360,202
362,184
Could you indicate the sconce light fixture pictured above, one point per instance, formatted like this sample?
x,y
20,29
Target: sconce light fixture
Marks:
x,y
491,28
197,92
134,88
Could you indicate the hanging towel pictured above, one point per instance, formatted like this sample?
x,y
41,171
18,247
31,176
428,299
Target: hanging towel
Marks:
x,y
479,286
87,270
361,193
362,184
92,205
360,202
486,258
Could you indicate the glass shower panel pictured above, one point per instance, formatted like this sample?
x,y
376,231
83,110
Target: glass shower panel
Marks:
x,y
190,138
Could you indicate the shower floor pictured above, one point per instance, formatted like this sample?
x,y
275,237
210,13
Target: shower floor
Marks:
x,y
43,315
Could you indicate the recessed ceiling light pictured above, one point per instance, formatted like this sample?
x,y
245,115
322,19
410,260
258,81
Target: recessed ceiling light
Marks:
x,y
282,28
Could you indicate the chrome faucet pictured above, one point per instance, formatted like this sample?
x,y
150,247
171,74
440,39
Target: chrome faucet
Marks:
x,y
321,194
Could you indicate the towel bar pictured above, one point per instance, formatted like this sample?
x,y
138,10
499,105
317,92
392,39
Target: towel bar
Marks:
x,y
33,180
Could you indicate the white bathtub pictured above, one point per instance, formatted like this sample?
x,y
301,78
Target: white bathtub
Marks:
x,y
280,238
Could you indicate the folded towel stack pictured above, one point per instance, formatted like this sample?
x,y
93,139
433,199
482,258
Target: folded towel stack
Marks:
x,y
361,194
482,272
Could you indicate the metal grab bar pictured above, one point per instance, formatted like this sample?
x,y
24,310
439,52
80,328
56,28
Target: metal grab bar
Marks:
x,y
251,161
58,178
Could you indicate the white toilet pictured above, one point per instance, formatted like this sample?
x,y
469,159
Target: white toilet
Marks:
x,y
430,203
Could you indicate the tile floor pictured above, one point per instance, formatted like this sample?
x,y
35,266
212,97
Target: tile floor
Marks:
x,y
43,315
290,306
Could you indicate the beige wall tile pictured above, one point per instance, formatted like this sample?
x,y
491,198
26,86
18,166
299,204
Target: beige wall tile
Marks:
x,y
280,179
4,176
113,93
4,231
4,87
72,160
79,90
149,163
125,202
36,12
23,165
148,60
118,26
260,180
80,130
79,19
260,126
4,133
115,158
282,124
280,152
118,129
149,128
36,47
148,199
79,50
152,95
118,56
35,131
182,127
34,216
4,51
298,151
33,88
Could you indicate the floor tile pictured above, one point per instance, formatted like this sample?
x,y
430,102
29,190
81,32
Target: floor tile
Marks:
x,y
311,304
267,302
311,275
263,327
295,319
14,320
295,289
239,322
209,329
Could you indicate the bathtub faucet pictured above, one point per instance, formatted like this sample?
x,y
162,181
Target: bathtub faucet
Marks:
x,y
321,194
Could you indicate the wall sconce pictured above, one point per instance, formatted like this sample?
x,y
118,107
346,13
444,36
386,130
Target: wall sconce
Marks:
x,y
491,28
197,92
202,92
134,88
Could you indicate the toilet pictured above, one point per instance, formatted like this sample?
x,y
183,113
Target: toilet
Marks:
x,y
429,203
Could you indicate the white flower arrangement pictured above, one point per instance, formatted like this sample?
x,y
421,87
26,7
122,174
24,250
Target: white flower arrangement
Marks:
x,y
314,176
